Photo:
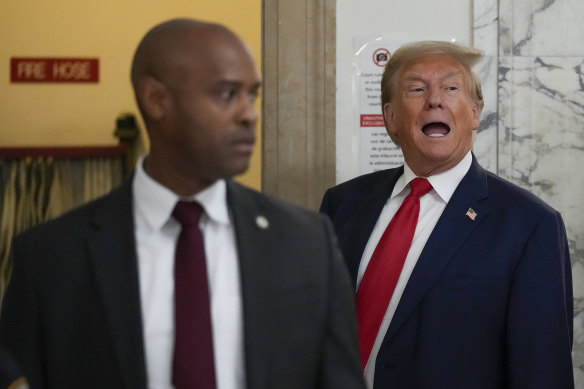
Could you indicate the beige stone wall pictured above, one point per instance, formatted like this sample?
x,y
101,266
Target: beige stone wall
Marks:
x,y
299,99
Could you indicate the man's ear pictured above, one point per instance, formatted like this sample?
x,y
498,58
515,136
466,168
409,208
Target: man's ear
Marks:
x,y
388,114
476,115
153,97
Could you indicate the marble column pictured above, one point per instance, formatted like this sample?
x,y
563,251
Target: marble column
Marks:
x,y
532,128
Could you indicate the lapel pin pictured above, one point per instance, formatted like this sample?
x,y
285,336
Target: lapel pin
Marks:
x,y
262,222
471,214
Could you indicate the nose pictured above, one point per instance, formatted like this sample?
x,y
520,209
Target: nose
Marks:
x,y
434,99
248,113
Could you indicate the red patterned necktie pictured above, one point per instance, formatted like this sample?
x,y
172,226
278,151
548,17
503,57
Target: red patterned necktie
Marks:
x,y
385,267
193,365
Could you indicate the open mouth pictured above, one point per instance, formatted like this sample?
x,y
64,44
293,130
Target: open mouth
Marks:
x,y
436,129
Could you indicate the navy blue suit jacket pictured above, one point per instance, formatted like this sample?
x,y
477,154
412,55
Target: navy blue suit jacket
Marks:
x,y
489,302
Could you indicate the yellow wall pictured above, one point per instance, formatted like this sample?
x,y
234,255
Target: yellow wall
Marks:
x,y
84,114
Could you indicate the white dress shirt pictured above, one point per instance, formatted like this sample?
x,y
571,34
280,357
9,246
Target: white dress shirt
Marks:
x,y
156,234
431,207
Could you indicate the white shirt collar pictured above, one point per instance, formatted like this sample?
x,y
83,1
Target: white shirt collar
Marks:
x,y
156,202
214,201
444,183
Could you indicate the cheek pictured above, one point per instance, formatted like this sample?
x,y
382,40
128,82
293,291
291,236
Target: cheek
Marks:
x,y
407,120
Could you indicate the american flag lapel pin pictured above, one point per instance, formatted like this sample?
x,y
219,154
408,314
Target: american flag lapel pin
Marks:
x,y
471,214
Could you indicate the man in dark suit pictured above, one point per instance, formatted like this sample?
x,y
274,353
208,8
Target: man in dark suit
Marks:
x,y
483,295
91,300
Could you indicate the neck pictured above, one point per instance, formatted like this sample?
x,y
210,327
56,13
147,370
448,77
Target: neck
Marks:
x,y
173,180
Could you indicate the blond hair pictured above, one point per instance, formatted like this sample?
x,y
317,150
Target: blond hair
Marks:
x,y
466,56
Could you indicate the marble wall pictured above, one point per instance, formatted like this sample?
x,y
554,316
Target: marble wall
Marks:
x,y
532,128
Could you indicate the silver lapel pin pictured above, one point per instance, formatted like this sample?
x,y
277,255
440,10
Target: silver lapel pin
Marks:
x,y
262,222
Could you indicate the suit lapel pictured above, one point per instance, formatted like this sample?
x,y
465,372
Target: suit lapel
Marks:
x,y
452,229
113,256
257,238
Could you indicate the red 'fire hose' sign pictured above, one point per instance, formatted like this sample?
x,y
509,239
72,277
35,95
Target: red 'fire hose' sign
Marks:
x,y
35,70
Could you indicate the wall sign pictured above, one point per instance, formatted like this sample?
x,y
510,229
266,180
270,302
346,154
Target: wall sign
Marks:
x,y
54,70
376,149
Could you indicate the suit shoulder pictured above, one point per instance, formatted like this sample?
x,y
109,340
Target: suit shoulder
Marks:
x,y
277,209
366,182
75,219
516,196
359,181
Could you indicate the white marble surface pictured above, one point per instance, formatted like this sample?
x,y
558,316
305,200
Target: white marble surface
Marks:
x,y
532,128
485,38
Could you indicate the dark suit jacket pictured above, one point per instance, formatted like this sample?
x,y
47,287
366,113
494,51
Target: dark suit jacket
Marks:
x,y
489,302
71,315
11,376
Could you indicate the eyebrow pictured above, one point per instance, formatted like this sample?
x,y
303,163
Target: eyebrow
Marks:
x,y
238,84
412,76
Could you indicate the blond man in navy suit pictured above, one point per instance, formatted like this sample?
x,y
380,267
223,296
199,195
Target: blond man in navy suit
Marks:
x,y
484,298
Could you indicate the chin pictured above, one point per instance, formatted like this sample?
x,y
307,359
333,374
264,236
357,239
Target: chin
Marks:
x,y
435,158
239,169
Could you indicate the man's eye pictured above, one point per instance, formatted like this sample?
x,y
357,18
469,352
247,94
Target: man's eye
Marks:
x,y
416,90
451,88
254,95
227,94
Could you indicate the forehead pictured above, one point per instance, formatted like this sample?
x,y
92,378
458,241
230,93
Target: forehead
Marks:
x,y
231,58
217,55
433,66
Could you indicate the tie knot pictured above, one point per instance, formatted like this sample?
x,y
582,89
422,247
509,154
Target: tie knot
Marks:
x,y
420,186
187,212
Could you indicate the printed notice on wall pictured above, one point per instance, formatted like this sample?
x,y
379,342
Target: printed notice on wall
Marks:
x,y
376,149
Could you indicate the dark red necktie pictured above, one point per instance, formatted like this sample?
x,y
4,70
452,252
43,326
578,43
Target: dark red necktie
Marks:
x,y
385,267
193,365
